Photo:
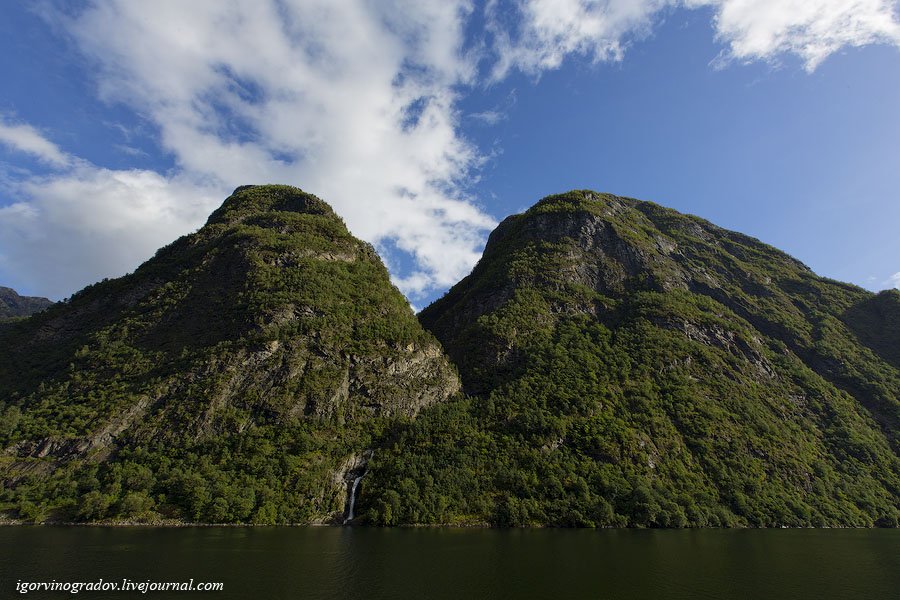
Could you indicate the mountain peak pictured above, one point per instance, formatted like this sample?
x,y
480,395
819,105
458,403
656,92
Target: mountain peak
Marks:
x,y
579,200
271,331
251,200
639,355
626,364
13,305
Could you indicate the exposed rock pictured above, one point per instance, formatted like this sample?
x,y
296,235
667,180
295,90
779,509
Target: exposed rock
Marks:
x,y
14,305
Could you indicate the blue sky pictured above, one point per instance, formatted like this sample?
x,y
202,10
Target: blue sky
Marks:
x,y
122,126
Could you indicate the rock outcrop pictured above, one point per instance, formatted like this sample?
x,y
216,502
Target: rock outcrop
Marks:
x,y
13,305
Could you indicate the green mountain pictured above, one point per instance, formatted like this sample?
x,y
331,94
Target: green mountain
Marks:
x,y
630,365
13,305
619,364
240,375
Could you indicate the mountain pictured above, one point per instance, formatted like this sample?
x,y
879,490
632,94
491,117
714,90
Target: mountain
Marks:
x,y
13,305
608,362
241,375
628,365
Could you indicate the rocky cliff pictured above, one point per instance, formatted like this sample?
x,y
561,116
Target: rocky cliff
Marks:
x,y
235,372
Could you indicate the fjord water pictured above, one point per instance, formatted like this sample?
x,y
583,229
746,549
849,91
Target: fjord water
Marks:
x,y
325,562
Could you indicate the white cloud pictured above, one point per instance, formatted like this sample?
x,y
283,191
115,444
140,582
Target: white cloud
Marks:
x,y
62,231
27,139
74,228
488,117
893,281
547,31
353,101
500,112
810,29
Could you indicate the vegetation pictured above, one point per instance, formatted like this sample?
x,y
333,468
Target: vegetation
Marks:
x,y
624,365
633,366
228,379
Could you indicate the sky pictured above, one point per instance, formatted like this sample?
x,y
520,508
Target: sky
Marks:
x,y
124,123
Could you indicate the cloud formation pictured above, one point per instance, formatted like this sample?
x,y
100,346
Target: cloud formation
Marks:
x,y
354,100
81,223
27,139
810,29
351,100
535,35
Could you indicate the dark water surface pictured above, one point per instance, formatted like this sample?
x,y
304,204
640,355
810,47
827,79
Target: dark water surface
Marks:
x,y
322,562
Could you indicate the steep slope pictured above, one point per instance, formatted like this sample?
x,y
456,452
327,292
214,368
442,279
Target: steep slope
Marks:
x,y
630,365
239,375
876,322
13,305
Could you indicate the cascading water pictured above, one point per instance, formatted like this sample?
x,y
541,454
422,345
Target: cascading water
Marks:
x,y
353,499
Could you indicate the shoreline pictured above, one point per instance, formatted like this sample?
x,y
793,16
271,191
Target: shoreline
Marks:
x,y
177,525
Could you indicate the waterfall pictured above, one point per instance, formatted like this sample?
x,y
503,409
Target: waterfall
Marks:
x,y
353,499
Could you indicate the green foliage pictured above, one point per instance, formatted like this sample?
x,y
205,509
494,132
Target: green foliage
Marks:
x,y
633,366
226,380
625,365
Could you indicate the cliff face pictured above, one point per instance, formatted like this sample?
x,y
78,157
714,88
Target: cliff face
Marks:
x,y
633,365
13,305
270,335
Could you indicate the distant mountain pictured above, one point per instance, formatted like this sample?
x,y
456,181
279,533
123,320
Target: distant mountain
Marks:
x,y
630,365
14,305
241,374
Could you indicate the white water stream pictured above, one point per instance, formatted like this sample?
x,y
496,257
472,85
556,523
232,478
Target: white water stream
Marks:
x,y
353,499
